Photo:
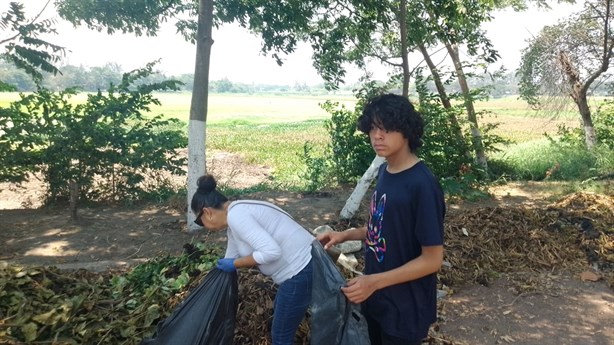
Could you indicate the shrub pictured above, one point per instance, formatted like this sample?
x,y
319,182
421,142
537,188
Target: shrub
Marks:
x,y
105,147
349,151
548,159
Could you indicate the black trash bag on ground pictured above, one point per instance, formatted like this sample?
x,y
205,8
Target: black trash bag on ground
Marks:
x,y
334,319
206,317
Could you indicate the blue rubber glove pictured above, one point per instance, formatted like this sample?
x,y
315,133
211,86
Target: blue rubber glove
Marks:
x,y
226,265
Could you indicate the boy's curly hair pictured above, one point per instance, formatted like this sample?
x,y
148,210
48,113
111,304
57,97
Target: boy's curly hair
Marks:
x,y
393,113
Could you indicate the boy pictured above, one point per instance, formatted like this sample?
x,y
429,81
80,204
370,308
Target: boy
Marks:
x,y
404,234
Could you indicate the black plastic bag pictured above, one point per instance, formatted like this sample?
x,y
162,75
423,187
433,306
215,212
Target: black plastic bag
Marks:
x,y
334,319
206,317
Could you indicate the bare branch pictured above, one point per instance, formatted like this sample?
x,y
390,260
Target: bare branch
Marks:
x,y
40,12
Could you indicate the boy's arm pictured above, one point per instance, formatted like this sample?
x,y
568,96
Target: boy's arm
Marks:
x,y
360,288
329,239
353,234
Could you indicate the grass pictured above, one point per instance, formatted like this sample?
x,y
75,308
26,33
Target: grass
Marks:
x,y
541,160
7,98
253,109
270,130
276,145
512,106
222,108
519,123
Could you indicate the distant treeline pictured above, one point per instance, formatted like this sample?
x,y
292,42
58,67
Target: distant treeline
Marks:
x,y
91,79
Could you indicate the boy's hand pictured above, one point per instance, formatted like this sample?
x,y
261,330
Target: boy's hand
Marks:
x,y
329,239
360,288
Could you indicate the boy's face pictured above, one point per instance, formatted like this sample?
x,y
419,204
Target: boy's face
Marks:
x,y
387,143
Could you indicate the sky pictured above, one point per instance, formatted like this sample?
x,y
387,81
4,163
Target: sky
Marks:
x,y
236,53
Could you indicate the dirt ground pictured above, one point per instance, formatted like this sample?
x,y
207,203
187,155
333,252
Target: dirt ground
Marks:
x,y
568,310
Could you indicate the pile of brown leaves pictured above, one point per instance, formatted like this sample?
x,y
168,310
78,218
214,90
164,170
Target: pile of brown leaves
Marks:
x,y
573,234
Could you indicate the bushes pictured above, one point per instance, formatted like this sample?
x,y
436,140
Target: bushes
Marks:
x,y
562,157
447,144
350,152
105,147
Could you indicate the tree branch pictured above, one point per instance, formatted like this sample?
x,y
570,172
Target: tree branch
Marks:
x,y
29,23
606,30
40,12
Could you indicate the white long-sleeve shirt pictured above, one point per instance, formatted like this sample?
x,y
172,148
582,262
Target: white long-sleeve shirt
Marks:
x,y
280,246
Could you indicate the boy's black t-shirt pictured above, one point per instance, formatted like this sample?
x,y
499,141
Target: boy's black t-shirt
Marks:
x,y
407,212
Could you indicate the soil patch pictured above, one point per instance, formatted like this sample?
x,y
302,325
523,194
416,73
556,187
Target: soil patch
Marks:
x,y
567,312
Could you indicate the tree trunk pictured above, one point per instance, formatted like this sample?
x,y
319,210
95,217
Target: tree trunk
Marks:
x,y
578,94
589,129
198,105
353,202
443,95
73,190
402,19
471,114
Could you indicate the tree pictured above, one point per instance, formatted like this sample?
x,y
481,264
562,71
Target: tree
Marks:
x,y
388,31
22,45
277,23
460,24
569,59
15,79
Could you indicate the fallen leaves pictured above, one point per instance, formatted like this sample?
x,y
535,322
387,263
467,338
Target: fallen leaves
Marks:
x,y
589,276
518,239
44,304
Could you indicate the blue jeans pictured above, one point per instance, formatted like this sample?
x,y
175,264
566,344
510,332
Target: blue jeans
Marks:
x,y
291,303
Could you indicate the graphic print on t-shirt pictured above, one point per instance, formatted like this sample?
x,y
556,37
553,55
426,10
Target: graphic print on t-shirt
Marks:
x,y
374,241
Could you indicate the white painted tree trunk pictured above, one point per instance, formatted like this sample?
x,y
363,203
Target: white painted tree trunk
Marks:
x,y
196,164
199,105
353,202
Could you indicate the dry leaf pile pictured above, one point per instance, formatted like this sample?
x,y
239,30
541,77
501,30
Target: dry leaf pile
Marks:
x,y
44,305
481,245
256,296
570,235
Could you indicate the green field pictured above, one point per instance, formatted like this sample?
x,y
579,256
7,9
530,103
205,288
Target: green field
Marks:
x,y
271,130
517,121
274,108
251,108
245,108
267,130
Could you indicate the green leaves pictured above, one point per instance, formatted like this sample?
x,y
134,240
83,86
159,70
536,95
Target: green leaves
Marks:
x,y
141,17
45,304
349,150
23,47
108,145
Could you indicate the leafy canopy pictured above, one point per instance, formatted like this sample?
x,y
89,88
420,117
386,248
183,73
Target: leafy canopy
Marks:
x,y
23,47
